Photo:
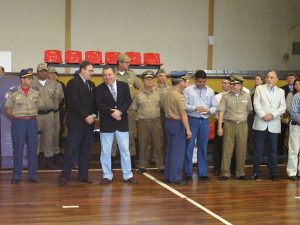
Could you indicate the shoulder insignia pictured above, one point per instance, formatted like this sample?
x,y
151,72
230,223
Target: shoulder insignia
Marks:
x,y
182,98
13,89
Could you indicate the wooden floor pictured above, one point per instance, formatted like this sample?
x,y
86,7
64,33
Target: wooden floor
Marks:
x,y
150,202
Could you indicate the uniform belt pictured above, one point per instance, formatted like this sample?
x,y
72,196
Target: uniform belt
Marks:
x,y
55,110
294,123
46,111
236,122
170,118
199,118
150,120
25,117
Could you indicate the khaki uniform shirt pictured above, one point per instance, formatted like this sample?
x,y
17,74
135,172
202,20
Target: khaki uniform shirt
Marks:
x,y
59,96
147,104
235,108
131,79
174,104
23,105
48,93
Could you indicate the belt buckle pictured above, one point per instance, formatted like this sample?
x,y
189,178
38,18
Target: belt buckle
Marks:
x,y
238,122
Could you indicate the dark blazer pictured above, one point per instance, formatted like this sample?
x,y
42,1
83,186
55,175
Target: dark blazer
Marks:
x,y
105,102
286,90
81,102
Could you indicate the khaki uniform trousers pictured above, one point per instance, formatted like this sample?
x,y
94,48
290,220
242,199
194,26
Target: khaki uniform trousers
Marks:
x,y
56,125
132,132
150,128
235,136
46,131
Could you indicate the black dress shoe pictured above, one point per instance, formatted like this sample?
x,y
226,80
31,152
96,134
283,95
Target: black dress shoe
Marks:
x,y
254,177
62,181
180,182
204,178
293,178
216,173
243,178
223,178
105,181
14,181
141,170
131,180
187,178
34,180
85,180
274,178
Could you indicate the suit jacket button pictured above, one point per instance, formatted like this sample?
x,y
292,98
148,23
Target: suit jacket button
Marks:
x,y
115,106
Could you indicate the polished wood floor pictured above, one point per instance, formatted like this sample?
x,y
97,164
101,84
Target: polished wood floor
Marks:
x,y
148,202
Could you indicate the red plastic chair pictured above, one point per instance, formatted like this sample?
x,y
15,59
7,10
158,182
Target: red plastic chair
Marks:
x,y
111,58
52,56
94,57
74,57
152,59
136,58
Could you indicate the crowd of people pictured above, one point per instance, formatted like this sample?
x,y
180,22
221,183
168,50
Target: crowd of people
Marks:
x,y
171,121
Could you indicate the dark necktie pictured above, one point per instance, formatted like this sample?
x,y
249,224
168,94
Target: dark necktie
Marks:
x,y
87,85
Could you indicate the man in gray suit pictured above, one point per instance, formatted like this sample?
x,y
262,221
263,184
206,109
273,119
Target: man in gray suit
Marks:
x,y
269,105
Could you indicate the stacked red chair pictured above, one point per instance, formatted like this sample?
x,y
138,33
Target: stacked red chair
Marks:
x,y
52,56
136,58
73,57
111,58
152,59
94,57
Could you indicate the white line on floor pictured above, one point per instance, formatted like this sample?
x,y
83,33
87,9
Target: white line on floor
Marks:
x,y
70,206
187,198
297,197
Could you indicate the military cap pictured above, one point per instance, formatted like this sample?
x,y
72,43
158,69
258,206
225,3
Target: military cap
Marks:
x,y
42,66
24,73
123,58
51,69
236,79
183,74
147,74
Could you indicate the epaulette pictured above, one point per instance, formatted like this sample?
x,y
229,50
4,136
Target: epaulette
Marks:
x,y
35,88
13,89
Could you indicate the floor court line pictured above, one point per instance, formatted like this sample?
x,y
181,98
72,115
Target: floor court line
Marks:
x,y
187,198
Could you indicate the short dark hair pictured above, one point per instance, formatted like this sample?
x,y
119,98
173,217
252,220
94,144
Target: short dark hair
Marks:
x,y
200,74
107,67
2,68
84,64
290,74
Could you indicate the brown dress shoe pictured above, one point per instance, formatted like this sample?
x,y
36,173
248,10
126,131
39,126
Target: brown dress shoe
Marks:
x,y
106,181
131,180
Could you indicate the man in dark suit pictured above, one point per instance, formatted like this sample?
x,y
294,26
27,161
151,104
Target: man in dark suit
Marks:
x,y
81,114
113,100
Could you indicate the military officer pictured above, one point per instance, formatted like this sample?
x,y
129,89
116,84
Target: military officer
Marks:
x,y
22,105
52,75
147,103
233,111
48,93
126,75
177,129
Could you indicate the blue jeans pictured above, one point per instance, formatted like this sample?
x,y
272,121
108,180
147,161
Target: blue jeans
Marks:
x,y
200,131
175,150
105,157
79,142
24,131
259,150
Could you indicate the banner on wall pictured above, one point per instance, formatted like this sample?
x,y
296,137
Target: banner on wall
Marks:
x,y
5,123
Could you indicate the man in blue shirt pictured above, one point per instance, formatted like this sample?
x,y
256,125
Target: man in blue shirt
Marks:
x,y
201,103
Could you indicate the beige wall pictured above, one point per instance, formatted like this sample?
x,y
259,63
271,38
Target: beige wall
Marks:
x,y
28,27
249,35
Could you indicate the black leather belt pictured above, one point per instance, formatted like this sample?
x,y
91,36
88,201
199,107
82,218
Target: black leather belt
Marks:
x,y
55,110
199,118
46,111
294,123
